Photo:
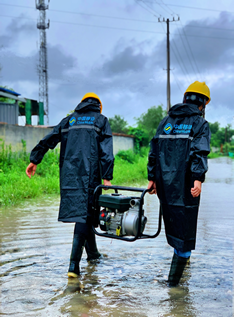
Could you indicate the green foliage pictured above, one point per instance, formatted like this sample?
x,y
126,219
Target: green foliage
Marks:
x,y
150,120
214,127
6,99
127,155
222,136
132,174
141,137
213,155
15,186
118,124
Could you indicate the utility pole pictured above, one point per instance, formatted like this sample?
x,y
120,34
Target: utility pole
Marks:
x,y
168,59
42,67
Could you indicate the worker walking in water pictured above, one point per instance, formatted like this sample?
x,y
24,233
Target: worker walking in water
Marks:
x,y
176,169
86,157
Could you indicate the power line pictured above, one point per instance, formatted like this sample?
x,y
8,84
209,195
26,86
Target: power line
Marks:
x,y
185,48
167,11
178,82
166,4
149,7
180,61
188,7
191,53
113,17
167,7
82,24
83,13
136,1
198,8
115,28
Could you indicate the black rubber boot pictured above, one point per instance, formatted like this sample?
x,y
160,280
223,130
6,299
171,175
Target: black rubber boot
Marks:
x,y
76,255
91,247
177,267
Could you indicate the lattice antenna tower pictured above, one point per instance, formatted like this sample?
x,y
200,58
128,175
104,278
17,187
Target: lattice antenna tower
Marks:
x,y
42,67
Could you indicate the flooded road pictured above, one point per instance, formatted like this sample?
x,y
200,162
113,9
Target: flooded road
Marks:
x,y
130,280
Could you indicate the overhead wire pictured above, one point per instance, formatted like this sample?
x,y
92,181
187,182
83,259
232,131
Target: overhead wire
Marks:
x,y
161,5
188,44
82,24
113,17
159,14
188,7
83,13
115,28
180,61
137,2
178,82
187,74
175,77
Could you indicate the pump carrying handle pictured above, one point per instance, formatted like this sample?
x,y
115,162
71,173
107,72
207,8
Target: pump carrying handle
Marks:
x,y
138,235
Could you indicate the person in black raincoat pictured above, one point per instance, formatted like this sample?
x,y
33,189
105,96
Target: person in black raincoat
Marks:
x,y
176,169
86,157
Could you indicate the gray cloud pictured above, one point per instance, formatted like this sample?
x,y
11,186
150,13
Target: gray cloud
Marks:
x,y
59,62
17,27
125,61
210,46
130,76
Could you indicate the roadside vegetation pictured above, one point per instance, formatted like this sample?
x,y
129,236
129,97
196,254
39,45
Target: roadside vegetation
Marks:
x,y
15,186
130,167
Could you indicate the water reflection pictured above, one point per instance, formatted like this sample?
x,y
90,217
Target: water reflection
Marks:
x,y
130,280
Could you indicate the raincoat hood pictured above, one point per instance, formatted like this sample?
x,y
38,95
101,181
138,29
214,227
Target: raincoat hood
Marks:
x,y
183,110
93,105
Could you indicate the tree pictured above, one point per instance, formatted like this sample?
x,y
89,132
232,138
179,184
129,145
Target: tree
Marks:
x,y
150,120
118,124
141,137
214,127
222,136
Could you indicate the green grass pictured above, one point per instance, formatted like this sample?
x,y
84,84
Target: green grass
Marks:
x,y
214,155
15,186
130,169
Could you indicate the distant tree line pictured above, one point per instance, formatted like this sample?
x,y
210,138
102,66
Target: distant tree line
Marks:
x,y
222,138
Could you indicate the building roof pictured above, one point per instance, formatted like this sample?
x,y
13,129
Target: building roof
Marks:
x,y
11,94
2,89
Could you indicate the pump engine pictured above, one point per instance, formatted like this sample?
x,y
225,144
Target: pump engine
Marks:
x,y
119,214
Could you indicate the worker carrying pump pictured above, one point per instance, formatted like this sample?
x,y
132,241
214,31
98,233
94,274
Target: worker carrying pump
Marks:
x,y
176,169
86,156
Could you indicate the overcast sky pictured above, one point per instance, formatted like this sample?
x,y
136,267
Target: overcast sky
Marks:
x,y
117,49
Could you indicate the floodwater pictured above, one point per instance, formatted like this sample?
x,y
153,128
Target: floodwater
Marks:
x,y
130,280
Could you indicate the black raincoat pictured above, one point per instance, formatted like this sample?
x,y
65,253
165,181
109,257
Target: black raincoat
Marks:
x,y
178,157
86,156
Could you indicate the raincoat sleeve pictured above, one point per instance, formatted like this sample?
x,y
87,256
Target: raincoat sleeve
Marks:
x,y
152,161
200,148
48,142
106,152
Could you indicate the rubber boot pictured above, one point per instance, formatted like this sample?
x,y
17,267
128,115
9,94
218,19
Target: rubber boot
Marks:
x,y
76,255
91,247
177,267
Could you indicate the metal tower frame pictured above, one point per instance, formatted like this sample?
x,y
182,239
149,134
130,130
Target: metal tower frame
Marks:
x,y
42,67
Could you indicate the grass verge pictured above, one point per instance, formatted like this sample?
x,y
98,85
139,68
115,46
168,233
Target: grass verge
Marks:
x,y
129,170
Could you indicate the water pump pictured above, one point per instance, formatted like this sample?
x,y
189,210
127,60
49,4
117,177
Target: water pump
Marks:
x,y
120,216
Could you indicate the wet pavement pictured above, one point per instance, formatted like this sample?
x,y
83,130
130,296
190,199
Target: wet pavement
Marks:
x,y
130,280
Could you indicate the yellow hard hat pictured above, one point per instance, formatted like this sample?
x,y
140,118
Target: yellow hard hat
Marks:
x,y
93,95
200,88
